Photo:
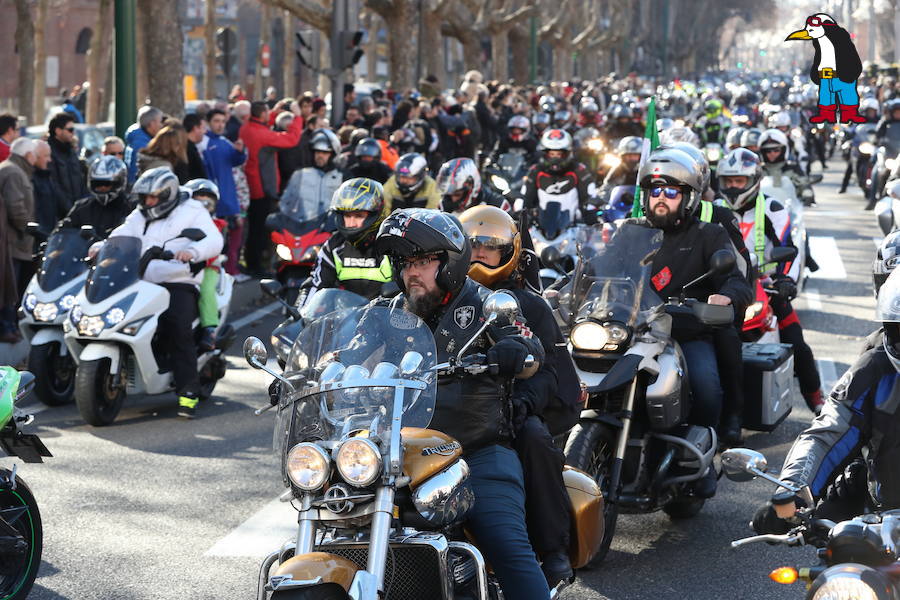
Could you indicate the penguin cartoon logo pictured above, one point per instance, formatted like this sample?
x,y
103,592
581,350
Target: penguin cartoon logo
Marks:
x,y
835,69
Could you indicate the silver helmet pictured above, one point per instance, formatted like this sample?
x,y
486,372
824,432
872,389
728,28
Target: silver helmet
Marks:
x,y
740,162
161,183
107,171
672,167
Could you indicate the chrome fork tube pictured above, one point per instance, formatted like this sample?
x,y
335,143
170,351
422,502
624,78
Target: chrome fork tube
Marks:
x,y
379,540
306,528
622,442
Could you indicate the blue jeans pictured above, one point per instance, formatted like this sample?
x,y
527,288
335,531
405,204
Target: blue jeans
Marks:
x,y
498,522
835,91
706,389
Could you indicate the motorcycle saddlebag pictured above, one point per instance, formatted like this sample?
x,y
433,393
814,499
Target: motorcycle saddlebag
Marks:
x,y
768,376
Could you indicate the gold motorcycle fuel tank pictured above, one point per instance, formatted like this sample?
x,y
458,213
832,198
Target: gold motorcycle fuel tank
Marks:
x,y
330,567
587,516
427,452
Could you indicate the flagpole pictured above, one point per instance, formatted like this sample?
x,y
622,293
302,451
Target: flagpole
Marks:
x,y
650,143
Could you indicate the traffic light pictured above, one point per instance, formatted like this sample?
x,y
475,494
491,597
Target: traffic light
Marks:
x,y
227,43
301,44
349,51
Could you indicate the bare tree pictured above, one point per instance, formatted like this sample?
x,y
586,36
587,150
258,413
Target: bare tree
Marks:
x,y
163,47
287,74
433,18
40,59
25,45
98,64
209,37
316,13
397,15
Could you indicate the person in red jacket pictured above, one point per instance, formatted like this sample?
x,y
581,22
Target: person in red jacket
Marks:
x,y
256,136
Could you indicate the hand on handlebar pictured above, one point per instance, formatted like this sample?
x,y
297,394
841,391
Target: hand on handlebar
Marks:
x,y
509,355
184,256
719,300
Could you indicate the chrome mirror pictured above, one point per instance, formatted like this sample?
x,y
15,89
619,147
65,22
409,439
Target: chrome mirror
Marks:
x,y
743,464
501,307
255,352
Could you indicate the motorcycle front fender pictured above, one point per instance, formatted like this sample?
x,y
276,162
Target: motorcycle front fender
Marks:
x,y
45,335
99,350
314,568
595,415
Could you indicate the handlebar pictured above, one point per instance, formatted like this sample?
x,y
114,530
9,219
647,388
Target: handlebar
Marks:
x,y
474,364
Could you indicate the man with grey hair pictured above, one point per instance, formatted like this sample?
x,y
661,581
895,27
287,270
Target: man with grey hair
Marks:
x,y
114,146
139,135
17,196
240,112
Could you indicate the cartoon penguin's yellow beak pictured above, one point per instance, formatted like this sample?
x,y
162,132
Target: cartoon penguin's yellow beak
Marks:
x,y
799,35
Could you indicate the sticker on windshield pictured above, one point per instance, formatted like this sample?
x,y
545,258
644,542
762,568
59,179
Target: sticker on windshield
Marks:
x,y
400,319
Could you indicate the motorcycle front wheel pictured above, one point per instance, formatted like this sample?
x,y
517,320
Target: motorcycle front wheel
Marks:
x,y
328,591
54,374
591,448
99,400
19,509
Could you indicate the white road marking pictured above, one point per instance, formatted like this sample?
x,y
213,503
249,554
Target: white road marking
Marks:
x,y
827,373
255,315
813,300
261,534
825,250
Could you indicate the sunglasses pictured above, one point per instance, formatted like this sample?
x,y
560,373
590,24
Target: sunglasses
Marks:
x,y
817,22
70,129
671,193
418,263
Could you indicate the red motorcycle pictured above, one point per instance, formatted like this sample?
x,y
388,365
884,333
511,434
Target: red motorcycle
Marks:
x,y
297,244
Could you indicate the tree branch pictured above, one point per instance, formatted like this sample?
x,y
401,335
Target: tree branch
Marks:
x,y
309,11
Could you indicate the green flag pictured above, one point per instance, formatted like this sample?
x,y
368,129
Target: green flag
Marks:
x,y
651,141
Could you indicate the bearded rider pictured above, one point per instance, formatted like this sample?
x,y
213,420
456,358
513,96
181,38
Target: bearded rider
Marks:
x,y
430,254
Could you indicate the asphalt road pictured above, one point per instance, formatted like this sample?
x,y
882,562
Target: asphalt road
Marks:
x,y
155,507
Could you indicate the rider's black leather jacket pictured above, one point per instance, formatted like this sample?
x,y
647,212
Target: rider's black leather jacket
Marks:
x,y
861,416
103,217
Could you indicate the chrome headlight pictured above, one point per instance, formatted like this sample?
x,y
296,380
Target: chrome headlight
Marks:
x,y
284,253
850,581
45,311
611,161
308,466
753,311
90,326
445,498
595,145
30,302
500,183
359,462
590,335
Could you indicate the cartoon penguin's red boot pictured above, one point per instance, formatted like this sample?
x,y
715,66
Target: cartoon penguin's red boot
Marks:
x,y
826,114
849,114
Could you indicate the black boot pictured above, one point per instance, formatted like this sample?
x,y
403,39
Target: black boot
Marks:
x,y
556,567
730,431
705,487
208,339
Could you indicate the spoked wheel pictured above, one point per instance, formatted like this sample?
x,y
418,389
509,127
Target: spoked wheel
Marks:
x,y
98,397
210,374
591,448
54,374
20,554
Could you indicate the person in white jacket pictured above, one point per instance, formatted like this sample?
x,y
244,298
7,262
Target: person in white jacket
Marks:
x,y
162,213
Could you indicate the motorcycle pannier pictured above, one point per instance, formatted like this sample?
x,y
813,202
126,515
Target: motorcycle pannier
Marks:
x,y
668,404
768,375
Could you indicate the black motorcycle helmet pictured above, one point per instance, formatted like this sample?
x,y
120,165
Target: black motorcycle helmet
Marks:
x,y
368,147
417,231
107,171
358,194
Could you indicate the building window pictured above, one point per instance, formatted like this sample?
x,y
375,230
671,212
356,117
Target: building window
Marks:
x,y
83,44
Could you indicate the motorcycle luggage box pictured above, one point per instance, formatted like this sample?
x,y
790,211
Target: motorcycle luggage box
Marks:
x,y
768,376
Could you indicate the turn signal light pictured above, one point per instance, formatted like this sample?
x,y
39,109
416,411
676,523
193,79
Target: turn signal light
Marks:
x,y
784,575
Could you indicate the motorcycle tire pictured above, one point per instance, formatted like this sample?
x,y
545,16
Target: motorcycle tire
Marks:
x,y
591,448
328,591
98,401
54,374
17,586
684,508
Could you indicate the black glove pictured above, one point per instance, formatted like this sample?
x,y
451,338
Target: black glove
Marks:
x,y
152,253
766,521
509,355
274,392
522,408
785,287
497,333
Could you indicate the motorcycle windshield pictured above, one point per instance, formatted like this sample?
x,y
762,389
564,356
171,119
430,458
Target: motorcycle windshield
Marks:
x,y
552,220
512,163
344,369
621,201
612,280
116,267
63,259
329,300
864,132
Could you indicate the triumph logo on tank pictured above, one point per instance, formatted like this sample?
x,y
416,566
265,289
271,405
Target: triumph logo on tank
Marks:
x,y
463,316
442,450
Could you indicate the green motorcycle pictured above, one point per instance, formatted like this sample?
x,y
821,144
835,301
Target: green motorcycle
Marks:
x,y
21,535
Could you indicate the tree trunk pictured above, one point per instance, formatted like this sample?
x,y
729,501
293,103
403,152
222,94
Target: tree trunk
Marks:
x,y
265,35
290,81
25,45
163,40
324,63
142,71
519,37
98,61
401,53
500,56
370,48
40,60
434,42
209,37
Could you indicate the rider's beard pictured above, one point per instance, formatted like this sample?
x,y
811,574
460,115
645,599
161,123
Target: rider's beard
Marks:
x,y
662,220
422,302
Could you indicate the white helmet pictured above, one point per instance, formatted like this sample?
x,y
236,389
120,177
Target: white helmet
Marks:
x,y
556,139
679,134
780,119
868,103
773,139
740,162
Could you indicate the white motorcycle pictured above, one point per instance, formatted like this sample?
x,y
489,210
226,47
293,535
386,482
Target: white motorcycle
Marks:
x,y
112,332
45,304
782,189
